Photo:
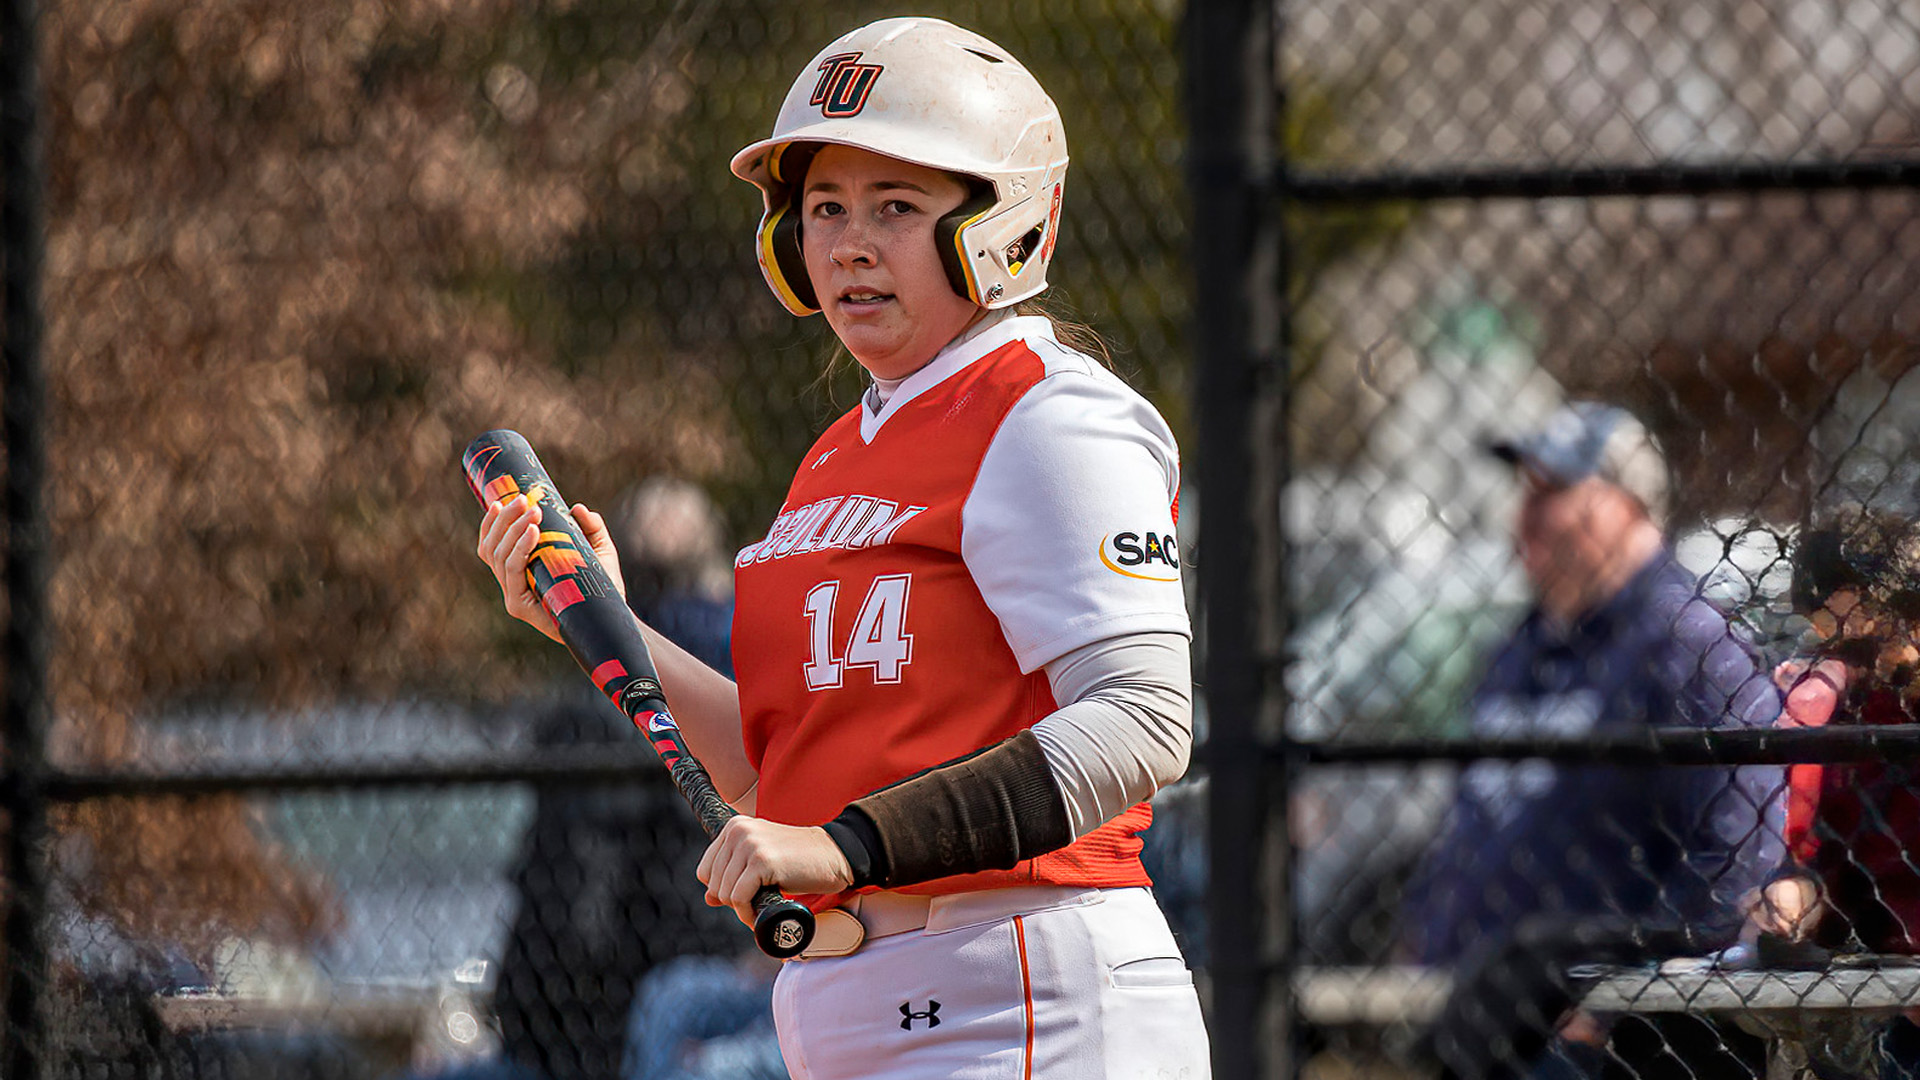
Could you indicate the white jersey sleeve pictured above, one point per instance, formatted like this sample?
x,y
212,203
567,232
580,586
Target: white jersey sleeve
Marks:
x,y
1068,531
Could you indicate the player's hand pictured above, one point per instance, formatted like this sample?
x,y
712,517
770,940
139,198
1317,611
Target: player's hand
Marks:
x,y
1789,907
751,852
1581,1026
510,530
1813,691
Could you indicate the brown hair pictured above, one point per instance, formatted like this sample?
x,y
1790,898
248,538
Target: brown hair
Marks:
x,y
1069,331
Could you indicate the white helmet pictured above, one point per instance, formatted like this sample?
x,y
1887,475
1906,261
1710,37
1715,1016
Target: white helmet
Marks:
x,y
930,93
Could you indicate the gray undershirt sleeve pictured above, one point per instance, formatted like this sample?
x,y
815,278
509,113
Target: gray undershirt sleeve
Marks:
x,y
1124,728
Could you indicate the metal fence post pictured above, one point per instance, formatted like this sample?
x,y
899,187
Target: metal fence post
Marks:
x,y
1230,112
26,647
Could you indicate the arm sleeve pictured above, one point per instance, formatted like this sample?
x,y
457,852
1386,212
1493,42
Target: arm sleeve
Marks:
x,y
1739,812
985,811
1069,529
1124,728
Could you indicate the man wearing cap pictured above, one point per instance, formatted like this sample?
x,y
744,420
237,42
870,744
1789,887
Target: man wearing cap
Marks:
x,y
1542,864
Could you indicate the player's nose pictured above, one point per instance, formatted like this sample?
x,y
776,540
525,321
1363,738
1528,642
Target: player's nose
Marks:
x,y
853,245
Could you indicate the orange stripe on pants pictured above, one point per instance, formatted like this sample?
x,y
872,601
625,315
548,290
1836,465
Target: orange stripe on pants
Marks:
x,y
1026,990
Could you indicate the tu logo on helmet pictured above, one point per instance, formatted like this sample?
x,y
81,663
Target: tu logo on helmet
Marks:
x,y
844,85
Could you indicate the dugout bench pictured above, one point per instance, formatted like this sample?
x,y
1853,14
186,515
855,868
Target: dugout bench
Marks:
x,y
402,1023
1793,1010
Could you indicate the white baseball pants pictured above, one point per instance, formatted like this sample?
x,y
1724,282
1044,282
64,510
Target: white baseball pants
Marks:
x,y
1033,983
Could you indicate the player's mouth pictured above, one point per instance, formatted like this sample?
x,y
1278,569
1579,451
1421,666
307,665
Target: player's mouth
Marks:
x,y
857,298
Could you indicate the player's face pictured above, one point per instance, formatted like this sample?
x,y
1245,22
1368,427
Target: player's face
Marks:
x,y
867,232
1563,537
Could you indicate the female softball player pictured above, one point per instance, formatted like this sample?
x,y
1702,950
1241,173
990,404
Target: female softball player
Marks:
x,y
962,645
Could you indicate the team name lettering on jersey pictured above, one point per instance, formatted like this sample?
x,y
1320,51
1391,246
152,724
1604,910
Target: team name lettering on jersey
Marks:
x,y
839,521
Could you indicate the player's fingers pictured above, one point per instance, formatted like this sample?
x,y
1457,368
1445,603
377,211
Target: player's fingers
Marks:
x,y
594,528
746,873
721,862
500,529
745,913
745,869
507,541
753,874
707,860
493,526
725,870
496,547
513,570
487,519
521,540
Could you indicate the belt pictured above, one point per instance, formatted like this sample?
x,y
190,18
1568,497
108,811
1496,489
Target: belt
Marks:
x,y
885,914
841,930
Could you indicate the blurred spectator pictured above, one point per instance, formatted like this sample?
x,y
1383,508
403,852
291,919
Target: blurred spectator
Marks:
x,y
1851,884
606,884
1175,855
1541,866
706,1018
678,573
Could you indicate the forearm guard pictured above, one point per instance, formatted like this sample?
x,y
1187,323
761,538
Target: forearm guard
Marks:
x,y
986,811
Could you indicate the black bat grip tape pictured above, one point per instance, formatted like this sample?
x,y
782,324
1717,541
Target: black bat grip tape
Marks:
x,y
781,926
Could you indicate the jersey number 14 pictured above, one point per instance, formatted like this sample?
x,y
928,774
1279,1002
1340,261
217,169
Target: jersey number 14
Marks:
x,y
879,639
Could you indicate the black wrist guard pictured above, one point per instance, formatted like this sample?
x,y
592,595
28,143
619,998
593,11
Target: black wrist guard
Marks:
x,y
858,841
986,811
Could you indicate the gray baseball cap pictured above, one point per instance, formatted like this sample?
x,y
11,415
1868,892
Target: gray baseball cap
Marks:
x,y
1588,439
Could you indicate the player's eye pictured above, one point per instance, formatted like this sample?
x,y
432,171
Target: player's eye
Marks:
x,y
900,207
825,208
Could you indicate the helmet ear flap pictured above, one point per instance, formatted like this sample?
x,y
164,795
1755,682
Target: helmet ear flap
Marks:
x,y
953,252
782,257
788,260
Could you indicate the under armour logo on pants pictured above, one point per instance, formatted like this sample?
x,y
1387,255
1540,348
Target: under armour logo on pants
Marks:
x,y
931,1016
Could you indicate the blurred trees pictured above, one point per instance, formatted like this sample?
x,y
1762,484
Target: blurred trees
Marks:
x,y
299,254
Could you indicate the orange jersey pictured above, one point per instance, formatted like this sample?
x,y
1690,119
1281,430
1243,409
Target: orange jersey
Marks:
x,y
1012,502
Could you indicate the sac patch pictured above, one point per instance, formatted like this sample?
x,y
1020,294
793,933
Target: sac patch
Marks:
x,y
1147,556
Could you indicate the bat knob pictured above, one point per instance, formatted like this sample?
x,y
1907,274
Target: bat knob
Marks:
x,y
781,926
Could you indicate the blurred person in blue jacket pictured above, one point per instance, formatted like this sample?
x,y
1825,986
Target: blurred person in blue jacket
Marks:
x,y
1543,865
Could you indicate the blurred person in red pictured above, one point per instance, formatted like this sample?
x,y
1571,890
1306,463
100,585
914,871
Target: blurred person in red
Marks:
x,y
1851,884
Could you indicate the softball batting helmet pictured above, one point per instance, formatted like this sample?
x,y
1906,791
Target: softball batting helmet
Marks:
x,y
927,92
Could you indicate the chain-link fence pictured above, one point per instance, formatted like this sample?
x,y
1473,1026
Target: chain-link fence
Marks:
x,y
1571,346
313,805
